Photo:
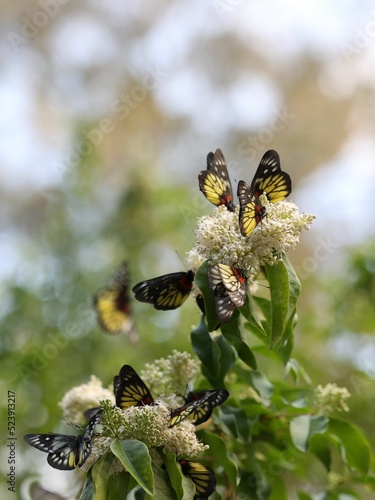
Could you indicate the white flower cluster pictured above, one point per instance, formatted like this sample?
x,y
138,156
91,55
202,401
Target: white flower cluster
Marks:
x,y
219,239
79,399
148,423
331,398
171,374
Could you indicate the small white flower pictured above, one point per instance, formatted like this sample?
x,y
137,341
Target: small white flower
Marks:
x,y
171,374
331,398
219,239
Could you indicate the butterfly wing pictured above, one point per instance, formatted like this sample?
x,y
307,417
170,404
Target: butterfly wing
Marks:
x,y
130,390
203,412
215,183
251,210
227,282
62,449
203,477
270,179
235,283
179,414
165,292
112,304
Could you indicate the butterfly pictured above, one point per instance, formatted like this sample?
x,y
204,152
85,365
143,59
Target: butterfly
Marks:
x,y
229,285
203,477
203,412
165,292
112,304
190,409
215,183
130,390
268,179
65,452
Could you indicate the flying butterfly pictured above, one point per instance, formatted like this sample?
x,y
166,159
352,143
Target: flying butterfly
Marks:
x,y
203,412
165,292
203,477
112,304
130,390
215,183
229,285
268,179
65,452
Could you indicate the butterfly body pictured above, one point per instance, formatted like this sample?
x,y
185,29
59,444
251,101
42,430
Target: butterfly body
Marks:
x,y
270,180
215,183
165,292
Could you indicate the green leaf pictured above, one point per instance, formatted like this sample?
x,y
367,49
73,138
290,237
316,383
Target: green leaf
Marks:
x,y
201,280
183,488
303,427
250,313
100,475
136,459
319,446
162,484
232,334
236,421
88,490
206,349
277,277
284,289
118,486
354,447
262,385
218,449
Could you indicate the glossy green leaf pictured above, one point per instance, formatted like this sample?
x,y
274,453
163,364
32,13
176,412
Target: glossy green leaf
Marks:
x,y
118,486
136,459
250,313
232,334
182,486
354,446
262,385
236,421
201,280
319,446
162,485
218,449
206,349
88,490
303,427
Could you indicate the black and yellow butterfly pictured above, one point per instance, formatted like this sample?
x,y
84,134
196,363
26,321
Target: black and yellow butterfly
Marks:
x,y
203,477
130,390
112,304
229,285
65,452
190,409
215,183
268,179
165,292
203,412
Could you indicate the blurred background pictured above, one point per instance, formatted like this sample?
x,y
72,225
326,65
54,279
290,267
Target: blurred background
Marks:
x,y
108,112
